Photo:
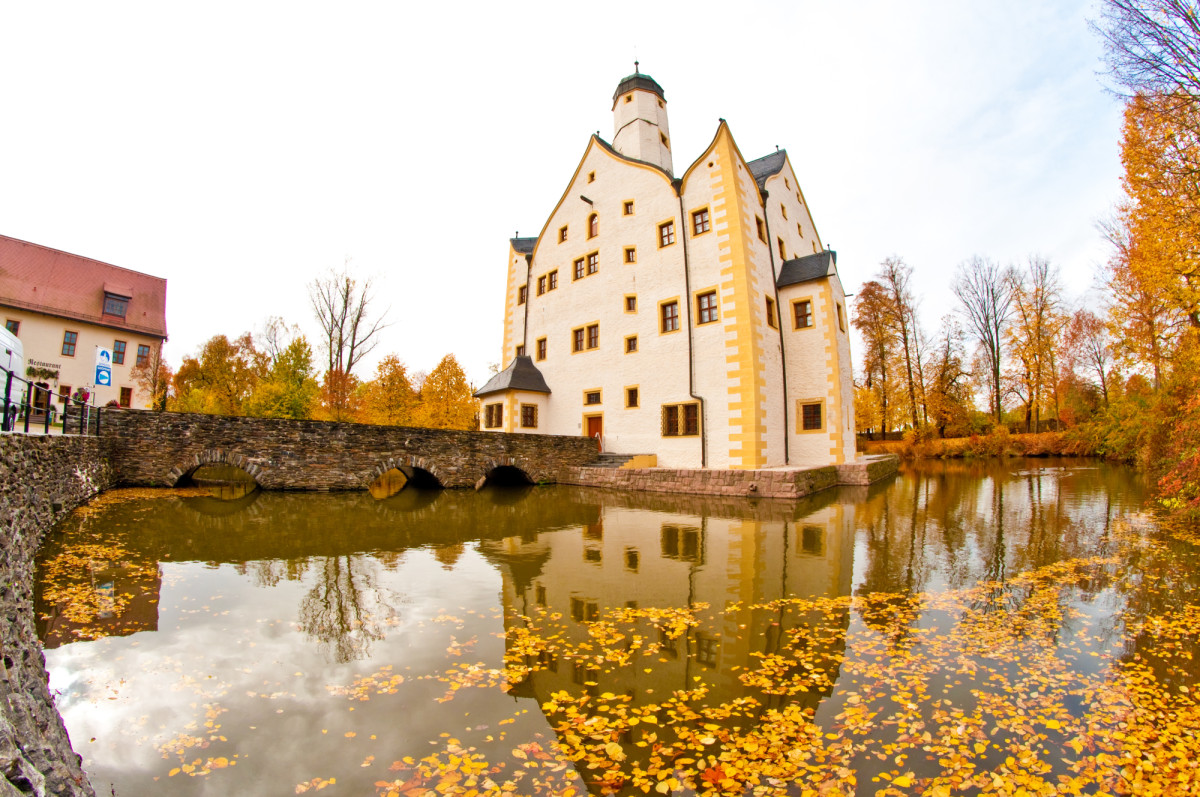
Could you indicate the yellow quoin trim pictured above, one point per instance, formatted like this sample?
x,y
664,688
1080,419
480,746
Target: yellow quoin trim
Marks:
x,y
833,375
743,323
514,323
510,411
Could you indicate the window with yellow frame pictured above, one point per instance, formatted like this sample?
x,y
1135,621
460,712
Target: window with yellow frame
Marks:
x,y
802,313
810,416
668,316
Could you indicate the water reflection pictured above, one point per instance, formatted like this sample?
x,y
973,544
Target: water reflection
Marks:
x,y
468,614
388,484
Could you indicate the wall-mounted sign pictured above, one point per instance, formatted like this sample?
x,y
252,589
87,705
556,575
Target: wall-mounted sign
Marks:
x,y
103,367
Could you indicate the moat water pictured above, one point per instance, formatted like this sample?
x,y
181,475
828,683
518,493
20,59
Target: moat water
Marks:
x,y
957,623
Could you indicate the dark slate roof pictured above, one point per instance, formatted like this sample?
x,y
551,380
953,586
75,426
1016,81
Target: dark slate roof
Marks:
x,y
523,245
764,167
807,268
521,374
638,81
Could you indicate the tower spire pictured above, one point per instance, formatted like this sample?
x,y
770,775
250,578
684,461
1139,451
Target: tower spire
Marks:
x,y
640,119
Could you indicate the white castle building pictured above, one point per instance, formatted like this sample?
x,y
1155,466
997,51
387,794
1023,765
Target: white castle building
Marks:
x,y
695,318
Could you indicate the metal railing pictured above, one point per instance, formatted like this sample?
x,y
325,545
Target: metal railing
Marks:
x,y
23,400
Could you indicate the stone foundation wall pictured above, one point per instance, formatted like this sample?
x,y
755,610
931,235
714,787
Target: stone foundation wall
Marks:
x,y
155,449
742,483
43,479
868,469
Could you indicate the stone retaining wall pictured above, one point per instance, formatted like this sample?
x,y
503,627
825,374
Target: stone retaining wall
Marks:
x,y
868,469
43,479
775,483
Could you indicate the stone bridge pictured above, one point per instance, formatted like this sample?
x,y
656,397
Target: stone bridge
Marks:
x,y
161,449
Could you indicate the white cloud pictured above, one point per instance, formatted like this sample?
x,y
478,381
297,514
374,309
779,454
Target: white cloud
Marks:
x,y
242,150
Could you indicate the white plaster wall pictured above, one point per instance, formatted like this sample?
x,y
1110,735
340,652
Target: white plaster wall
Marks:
x,y
784,192
660,366
640,139
42,338
846,375
808,355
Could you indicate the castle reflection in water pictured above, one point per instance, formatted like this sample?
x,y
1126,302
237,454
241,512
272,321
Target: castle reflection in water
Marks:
x,y
686,552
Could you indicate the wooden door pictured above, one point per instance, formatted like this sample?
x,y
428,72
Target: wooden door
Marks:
x,y
595,427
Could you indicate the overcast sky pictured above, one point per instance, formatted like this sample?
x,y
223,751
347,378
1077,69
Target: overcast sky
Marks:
x,y
242,149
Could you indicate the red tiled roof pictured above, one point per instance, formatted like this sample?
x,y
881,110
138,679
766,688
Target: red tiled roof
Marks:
x,y
45,280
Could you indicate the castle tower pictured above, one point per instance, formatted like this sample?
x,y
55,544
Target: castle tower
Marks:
x,y
640,121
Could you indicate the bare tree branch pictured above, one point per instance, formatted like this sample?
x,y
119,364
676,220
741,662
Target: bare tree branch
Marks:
x,y
985,291
1152,46
343,307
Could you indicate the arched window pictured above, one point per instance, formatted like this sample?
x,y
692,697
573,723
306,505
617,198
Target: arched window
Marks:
x,y
593,225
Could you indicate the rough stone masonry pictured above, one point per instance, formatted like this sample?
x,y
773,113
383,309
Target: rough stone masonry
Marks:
x,y
156,449
43,479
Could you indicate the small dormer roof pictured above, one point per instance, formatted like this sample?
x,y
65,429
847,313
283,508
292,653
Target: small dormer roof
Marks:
x,y
807,268
767,166
521,374
523,245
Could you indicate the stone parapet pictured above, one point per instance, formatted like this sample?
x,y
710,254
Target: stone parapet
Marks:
x,y
44,478
772,483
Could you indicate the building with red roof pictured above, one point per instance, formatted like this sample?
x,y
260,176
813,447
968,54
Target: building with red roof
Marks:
x,y
65,307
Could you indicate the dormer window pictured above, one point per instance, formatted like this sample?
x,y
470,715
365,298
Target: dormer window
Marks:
x,y
115,304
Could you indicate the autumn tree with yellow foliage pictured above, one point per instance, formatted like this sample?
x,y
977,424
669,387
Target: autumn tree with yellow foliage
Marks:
x,y
876,397
389,399
1153,51
446,400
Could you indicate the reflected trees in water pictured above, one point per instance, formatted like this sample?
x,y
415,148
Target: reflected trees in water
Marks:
x,y
345,610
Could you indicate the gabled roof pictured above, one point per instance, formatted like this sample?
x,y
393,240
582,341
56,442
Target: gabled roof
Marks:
x,y
766,166
523,245
521,374
45,280
807,268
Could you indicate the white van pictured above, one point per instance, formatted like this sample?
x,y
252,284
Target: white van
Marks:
x,y
12,358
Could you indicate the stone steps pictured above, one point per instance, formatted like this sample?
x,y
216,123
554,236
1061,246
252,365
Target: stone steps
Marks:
x,y
614,461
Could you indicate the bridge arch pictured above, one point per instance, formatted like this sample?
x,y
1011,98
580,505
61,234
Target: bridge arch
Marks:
x,y
506,470
419,471
212,456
